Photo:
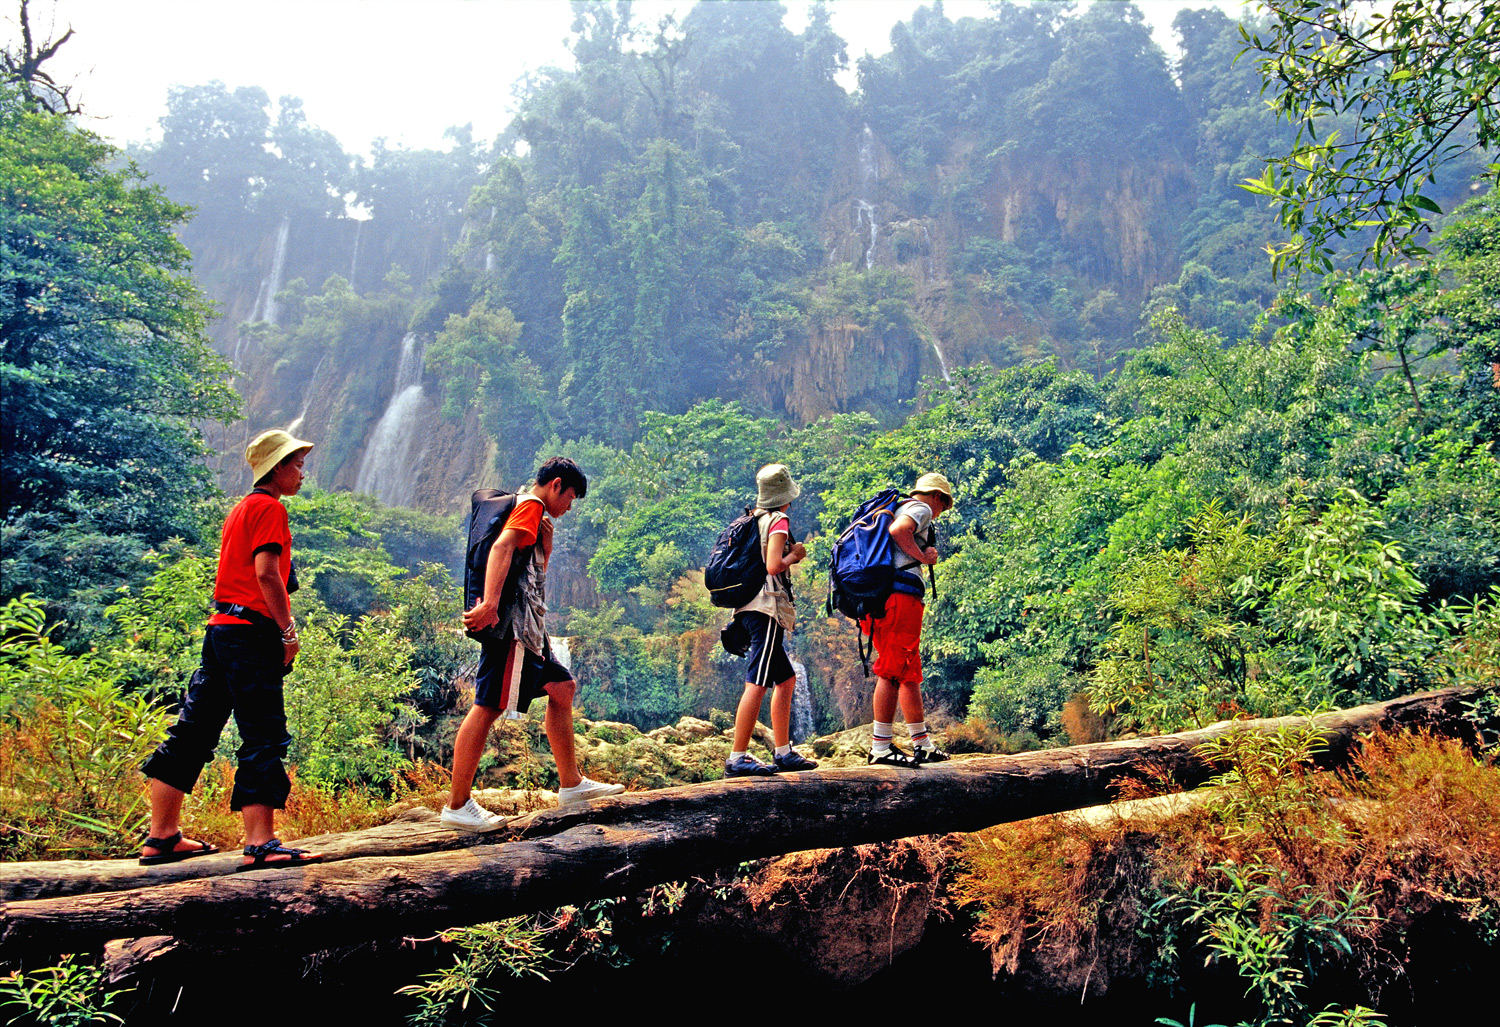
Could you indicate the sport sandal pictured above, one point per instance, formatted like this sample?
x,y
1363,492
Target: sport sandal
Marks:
x,y
894,757
930,754
167,851
260,856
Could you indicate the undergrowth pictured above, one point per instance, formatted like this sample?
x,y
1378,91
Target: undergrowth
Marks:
x,y
1304,887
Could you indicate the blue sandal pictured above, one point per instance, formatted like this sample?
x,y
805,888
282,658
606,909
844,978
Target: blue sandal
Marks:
x,y
260,855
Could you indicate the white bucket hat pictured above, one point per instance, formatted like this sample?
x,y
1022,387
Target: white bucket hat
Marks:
x,y
774,487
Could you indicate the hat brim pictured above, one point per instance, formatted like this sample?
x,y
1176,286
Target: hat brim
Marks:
x,y
269,462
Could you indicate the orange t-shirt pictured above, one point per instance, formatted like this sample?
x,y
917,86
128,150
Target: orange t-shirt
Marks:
x,y
526,518
257,522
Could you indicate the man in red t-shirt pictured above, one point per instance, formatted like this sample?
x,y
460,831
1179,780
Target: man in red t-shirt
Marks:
x,y
248,649
520,668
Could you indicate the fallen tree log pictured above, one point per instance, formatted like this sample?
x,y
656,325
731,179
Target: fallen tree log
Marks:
x,y
412,833
621,845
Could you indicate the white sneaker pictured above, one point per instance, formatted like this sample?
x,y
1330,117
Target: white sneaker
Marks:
x,y
471,817
585,790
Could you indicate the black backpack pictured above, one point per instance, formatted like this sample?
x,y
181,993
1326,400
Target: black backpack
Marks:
x,y
735,571
489,509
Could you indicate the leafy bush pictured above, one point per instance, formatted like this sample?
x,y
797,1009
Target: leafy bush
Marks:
x,y
71,742
1319,612
74,993
484,953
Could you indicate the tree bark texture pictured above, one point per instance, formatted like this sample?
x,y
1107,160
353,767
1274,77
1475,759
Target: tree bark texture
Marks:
x,y
413,876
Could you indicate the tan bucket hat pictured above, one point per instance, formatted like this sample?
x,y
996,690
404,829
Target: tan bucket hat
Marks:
x,y
268,449
774,487
935,483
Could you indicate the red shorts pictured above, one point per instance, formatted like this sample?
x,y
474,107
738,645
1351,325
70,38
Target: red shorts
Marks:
x,y
896,637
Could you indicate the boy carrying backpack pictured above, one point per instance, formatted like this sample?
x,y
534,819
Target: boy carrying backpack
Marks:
x,y
766,618
516,664
897,635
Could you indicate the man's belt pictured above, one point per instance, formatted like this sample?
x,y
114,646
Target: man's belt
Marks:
x,y
255,617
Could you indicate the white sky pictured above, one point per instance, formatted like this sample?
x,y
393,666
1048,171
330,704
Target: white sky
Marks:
x,y
401,69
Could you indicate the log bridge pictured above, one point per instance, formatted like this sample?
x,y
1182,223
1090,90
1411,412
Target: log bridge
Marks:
x,y
412,876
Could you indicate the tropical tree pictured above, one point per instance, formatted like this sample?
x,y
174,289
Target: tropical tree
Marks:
x,y
105,370
1420,79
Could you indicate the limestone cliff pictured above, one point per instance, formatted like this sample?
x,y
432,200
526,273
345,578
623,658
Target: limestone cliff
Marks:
x,y
366,404
370,407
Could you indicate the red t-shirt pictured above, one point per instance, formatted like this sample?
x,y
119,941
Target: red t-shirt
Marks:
x,y
257,522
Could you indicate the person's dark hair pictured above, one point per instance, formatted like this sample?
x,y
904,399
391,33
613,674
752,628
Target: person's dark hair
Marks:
x,y
561,467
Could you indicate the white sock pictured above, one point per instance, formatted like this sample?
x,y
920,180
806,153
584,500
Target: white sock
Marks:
x,y
880,738
918,732
782,750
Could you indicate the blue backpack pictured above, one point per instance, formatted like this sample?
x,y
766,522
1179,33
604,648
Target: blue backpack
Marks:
x,y
862,571
862,567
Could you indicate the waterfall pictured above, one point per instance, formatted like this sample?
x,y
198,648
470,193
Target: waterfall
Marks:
x,y
560,651
354,260
942,364
489,247
389,468
307,395
265,300
802,713
869,166
865,214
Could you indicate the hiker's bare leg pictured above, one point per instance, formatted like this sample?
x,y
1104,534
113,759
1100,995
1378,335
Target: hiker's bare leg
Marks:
x,y
468,747
166,817
260,827
911,702
885,700
781,711
747,714
260,824
559,725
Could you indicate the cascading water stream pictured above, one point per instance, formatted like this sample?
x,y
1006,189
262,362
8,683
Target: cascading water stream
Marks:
x,y
265,303
265,299
802,712
865,214
307,395
560,651
359,226
389,468
942,364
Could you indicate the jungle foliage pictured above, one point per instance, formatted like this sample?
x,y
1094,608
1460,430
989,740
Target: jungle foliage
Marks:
x,y
105,370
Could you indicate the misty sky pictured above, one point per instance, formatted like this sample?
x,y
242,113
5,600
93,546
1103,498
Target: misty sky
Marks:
x,y
400,69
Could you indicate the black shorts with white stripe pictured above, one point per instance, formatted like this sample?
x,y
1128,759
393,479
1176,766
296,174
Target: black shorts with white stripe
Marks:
x,y
768,662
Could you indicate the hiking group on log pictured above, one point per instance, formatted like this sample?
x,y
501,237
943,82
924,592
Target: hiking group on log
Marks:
x,y
252,642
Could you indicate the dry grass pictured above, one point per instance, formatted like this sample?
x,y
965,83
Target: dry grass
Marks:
x,y
1414,825
309,811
